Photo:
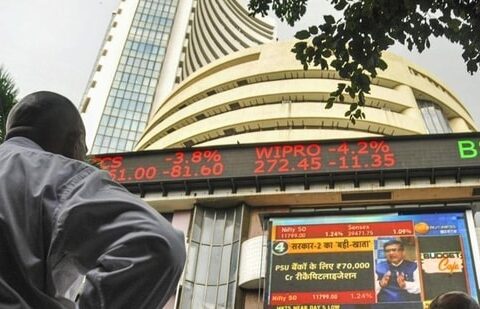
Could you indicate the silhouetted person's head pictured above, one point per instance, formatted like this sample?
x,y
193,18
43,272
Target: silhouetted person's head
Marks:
x,y
454,300
51,121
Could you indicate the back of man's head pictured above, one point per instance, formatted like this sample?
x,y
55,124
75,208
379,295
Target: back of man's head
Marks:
x,y
454,300
50,120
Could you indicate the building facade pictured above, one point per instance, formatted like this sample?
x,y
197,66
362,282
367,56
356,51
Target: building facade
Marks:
x,y
261,94
150,46
217,156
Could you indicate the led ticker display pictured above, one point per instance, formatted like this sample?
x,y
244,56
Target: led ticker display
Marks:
x,y
162,166
367,261
294,159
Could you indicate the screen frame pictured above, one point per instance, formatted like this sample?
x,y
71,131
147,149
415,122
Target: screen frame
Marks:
x,y
466,209
472,235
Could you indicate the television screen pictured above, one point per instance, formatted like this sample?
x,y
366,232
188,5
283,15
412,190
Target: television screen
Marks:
x,y
368,261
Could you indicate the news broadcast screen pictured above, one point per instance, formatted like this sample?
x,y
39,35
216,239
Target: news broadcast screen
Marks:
x,y
369,261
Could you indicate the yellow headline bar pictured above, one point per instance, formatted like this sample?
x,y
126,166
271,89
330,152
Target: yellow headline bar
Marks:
x,y
330,245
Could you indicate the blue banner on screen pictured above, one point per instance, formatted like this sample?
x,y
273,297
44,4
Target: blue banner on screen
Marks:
x,y
368,261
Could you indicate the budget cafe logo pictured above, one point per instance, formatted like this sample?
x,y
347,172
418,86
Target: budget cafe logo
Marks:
x,y
442,262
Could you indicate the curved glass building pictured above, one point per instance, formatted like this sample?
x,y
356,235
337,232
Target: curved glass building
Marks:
x,y
262,94
150,46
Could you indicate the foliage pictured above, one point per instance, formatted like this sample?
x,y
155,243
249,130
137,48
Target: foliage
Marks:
x,y
8,98
353,44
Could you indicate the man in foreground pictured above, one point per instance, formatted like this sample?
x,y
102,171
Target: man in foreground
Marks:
x,y
61,218
397,278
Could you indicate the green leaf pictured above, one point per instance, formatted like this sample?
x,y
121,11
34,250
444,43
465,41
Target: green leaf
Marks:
x,y
337,64
364,82
351,92
302,35
323,64
454,23
313,30
327,53
382,65
300,45
329,103
444,18
344,72
361,98
310,51
317,41
340,5
472,66
329,19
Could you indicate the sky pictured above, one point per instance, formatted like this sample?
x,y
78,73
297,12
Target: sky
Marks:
x,y
53,44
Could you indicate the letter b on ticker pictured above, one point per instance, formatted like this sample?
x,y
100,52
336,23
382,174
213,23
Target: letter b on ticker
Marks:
x,y
466,149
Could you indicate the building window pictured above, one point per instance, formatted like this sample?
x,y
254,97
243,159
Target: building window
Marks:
x,y
200,117
211,270
235,106
242,82
434,118
230,131
137,74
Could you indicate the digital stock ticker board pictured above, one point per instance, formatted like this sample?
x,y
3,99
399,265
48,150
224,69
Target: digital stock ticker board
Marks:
x,y
303,158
